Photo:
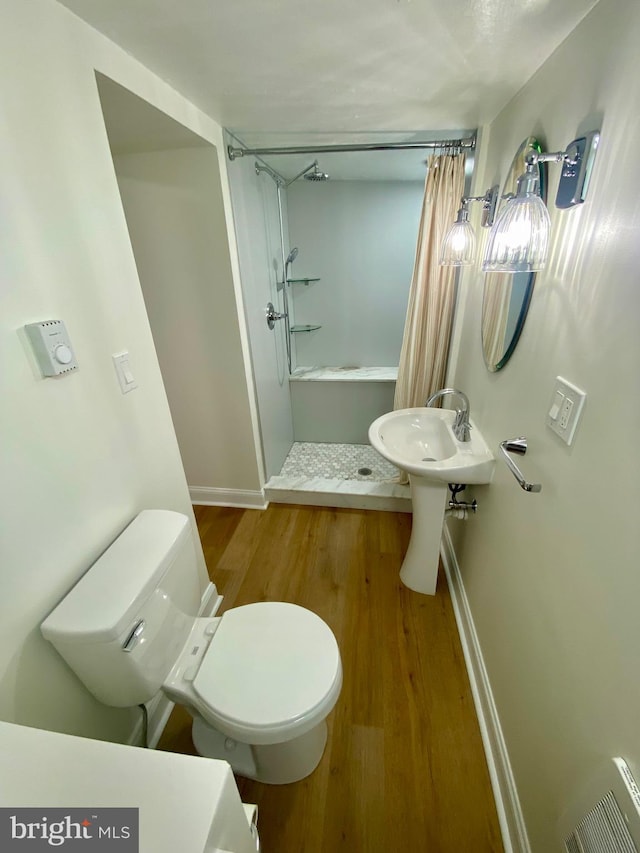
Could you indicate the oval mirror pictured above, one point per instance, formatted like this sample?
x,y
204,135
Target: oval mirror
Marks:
x,y
506,297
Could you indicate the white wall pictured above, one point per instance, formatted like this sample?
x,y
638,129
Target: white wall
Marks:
x,y
359,237
79,459
173,205
255,213
553,578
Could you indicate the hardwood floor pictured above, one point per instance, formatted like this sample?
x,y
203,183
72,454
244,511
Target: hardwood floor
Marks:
x,y
404,768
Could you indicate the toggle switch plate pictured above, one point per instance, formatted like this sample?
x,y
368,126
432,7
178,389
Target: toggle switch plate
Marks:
x,y
566,407
123,370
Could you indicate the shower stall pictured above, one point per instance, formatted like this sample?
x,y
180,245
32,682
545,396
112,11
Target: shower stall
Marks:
x,y
331,253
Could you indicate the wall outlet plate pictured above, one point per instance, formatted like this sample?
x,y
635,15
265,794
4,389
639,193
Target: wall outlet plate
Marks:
x,y
567,403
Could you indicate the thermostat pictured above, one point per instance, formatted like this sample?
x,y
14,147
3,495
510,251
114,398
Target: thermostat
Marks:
x,y
51,347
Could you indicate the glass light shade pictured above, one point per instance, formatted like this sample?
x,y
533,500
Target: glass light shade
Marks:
x,y
459,246
519,239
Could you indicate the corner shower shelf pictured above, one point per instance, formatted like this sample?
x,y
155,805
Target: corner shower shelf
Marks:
x,y
304,328
305,281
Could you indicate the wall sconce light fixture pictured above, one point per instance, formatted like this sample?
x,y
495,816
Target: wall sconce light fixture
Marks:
x,y
519,239
459,245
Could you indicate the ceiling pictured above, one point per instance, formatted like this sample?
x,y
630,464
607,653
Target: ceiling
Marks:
x,y
289,72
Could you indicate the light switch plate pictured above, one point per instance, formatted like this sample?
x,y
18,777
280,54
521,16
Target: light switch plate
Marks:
x,y
565,409
123,370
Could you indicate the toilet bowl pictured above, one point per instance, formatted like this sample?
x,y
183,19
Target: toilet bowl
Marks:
x,y
259,680
261,690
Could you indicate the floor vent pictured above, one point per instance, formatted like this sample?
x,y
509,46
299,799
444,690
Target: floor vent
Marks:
x,y
612,825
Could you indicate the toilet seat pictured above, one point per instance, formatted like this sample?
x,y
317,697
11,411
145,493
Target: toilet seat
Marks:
x,y
271,673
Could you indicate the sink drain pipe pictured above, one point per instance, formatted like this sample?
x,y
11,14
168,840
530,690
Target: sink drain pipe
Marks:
x,y
459,509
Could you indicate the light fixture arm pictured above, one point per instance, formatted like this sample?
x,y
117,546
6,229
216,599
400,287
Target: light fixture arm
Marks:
x,y
489,203
534,157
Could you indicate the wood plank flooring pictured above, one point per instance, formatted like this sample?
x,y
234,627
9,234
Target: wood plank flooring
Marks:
x,y
404,768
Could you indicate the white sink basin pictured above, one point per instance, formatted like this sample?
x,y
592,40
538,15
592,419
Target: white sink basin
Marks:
x,y
421,441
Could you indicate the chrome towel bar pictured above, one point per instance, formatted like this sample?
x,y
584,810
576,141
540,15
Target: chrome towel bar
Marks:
x,y
519,446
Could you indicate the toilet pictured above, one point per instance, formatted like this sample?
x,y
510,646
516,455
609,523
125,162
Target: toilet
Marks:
x,y
259,681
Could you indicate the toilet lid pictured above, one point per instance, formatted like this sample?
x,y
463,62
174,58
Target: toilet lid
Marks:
x,y
268,663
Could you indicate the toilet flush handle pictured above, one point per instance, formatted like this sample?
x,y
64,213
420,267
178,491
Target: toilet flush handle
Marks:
x,y
132,640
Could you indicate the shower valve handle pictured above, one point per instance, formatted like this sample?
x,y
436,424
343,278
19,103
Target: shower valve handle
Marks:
x,y
272,315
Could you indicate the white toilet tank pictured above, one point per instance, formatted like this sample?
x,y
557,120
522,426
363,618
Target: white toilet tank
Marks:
x,y
145,583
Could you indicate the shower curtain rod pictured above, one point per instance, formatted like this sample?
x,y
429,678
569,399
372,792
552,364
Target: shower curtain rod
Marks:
x,y
374,146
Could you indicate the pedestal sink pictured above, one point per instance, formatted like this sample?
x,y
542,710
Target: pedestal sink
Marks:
x,y
421,442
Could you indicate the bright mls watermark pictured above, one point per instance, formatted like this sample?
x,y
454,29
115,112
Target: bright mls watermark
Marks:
x,y
102,830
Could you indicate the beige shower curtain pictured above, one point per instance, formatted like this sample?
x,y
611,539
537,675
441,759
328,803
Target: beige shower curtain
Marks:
x,y
495,315
427,331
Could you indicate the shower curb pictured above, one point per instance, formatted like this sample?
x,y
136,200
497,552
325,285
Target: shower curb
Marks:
x,y
387,497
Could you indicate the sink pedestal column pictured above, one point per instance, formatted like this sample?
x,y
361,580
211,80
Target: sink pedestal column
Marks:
x,y
420,567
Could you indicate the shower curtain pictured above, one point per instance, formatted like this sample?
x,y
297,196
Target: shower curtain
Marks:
x,y
495,316
427,331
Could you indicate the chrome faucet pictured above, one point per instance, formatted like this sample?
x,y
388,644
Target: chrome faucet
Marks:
x,y
461,424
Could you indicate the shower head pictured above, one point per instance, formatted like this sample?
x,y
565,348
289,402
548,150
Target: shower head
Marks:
x,y
310,173
316,175
293,254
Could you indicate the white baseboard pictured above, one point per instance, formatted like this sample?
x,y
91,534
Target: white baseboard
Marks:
x,y
241,498
512,825
160,707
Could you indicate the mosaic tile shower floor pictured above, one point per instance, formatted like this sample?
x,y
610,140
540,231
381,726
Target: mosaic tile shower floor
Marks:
x,y
327,474
339,461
